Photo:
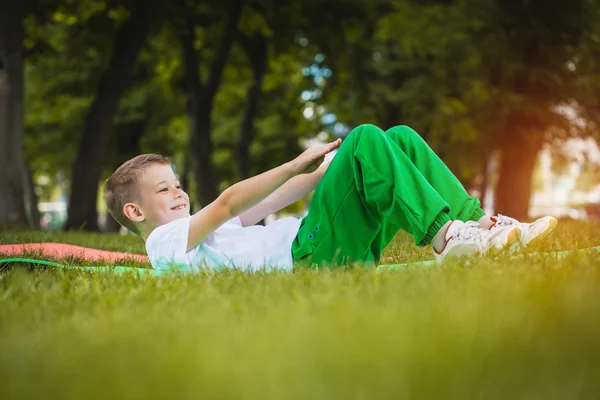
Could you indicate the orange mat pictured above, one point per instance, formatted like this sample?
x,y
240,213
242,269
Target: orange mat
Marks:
x,y
61,250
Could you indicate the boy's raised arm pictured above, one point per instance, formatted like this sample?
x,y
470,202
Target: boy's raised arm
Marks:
x,y
245,194
288,193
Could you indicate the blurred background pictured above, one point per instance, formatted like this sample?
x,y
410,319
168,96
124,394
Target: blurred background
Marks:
x,y
506,92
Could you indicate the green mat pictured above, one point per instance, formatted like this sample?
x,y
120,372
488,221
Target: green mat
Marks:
x,y
146,271
115,269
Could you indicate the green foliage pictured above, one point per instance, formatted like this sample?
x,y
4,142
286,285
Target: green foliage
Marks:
x,y
468,75
68,48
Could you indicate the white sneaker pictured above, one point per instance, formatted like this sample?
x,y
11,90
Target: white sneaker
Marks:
x,y
529,232
504,236
469,238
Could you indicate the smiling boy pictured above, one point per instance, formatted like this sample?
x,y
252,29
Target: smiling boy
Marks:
x,y
377,184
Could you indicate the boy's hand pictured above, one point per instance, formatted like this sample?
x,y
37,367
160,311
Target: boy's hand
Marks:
x,y
310,159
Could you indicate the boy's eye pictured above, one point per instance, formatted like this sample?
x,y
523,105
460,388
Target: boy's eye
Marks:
x,y
163,190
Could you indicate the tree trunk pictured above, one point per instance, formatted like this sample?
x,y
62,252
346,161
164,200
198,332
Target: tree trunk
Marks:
x,y
12,174
483,187
128,147
207,188
185,174
517,163
88,166
200,103
256,49
200,143
111,225
32,200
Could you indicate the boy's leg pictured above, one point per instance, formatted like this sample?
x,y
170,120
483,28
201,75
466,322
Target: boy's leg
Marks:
x,y
463,207
370,182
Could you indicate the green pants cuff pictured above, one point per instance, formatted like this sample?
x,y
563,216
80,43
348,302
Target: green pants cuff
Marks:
x,y
477,215
437,224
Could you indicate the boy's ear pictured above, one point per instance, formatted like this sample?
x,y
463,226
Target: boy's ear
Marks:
x,y
133,212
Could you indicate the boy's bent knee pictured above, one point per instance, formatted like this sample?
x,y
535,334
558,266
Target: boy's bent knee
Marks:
x,y
405,132
367,129
402,129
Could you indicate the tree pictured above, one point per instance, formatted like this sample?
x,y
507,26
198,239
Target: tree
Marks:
x,y
256,47
472,77
12,176
530,81
201,96
114,81
277,120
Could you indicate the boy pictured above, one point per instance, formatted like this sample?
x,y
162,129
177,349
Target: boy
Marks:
x,y
378,183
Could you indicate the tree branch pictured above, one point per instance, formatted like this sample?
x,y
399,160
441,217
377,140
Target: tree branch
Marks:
x,y
190,60
218,64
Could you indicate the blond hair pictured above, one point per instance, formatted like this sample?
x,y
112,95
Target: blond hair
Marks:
x,y
122,186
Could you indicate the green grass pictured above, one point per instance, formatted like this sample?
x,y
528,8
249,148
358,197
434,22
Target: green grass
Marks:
x,y
492,328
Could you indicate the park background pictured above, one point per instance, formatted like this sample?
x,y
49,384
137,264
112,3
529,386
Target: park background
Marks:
x,y
507,93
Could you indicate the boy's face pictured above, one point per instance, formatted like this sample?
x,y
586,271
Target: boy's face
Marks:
x,y
162,198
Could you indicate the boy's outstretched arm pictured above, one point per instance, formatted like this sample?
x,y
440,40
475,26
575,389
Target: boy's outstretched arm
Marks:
x,y
290,192
245,194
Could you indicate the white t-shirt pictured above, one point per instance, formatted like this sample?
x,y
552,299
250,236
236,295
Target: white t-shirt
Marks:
x,y
232,245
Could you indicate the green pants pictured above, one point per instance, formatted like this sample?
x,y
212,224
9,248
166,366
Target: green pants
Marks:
x,y
378,183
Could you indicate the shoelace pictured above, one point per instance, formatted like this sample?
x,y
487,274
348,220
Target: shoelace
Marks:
x,y
472,230
507,220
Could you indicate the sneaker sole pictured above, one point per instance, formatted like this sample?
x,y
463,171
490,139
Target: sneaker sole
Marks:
x,y
512,242
550,228
512,238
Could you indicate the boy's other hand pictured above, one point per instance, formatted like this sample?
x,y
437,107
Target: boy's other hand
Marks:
x,y
310,159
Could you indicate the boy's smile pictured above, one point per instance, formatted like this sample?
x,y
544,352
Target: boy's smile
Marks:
x,y
162,197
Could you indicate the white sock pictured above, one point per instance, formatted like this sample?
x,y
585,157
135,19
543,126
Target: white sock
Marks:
x,y
439,240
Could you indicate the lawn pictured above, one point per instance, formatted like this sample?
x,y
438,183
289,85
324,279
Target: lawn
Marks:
x,y
491,328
